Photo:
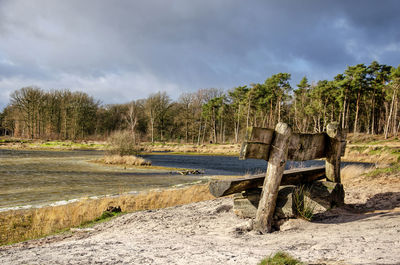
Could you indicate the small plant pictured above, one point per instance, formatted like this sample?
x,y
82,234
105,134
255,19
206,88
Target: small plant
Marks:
x,y
280,258
105,216
304,207
110,212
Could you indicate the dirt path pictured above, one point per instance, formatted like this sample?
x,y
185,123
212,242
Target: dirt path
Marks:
x,y
365,231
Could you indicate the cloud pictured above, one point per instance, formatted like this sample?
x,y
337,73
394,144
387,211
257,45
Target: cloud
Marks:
x,y
115,88
116,49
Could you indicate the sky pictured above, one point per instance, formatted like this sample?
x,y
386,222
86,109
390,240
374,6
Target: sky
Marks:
x,y
122,50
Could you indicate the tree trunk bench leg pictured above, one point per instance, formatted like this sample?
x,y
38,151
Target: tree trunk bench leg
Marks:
x,y
276,166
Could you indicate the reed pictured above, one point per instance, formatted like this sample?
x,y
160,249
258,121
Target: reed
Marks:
x,y
129,160
20,225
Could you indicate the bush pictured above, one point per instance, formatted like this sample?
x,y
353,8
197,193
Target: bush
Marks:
x,y
123,143
280,258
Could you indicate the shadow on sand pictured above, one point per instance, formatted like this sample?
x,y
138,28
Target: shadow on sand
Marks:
x,y
380,205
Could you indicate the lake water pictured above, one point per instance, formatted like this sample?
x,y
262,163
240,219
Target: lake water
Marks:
x,y
43,177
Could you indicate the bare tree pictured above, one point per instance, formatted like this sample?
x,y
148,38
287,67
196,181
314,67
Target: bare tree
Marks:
x,y
131,118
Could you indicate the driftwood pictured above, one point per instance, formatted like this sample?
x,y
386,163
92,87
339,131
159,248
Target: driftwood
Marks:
x,y
276,166
219,188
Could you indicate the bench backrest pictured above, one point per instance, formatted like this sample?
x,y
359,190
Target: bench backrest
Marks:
x,y
302,146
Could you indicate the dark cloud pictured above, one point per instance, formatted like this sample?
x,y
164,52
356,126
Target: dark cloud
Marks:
x,y
121,50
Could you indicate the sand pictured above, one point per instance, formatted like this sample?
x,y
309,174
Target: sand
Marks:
x,y
365,231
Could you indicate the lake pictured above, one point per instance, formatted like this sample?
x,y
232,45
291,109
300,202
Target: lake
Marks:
x,y
36,178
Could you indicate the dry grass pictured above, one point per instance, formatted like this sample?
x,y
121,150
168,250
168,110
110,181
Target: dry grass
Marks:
x,y
351,172
227,149
372,154
21,225
378,139
29,144
372,149
124,160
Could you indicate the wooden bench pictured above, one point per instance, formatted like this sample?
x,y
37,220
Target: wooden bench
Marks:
x,y
277,147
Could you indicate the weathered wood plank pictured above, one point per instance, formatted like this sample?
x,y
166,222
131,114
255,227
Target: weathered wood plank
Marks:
x,y
261,135
257,143
302,175
254,150
301,147
343,147
343,141
298,176
306,146
333,152
276,166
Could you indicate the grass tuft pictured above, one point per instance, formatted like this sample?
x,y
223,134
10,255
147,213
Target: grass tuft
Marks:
x,y
304,207
280,258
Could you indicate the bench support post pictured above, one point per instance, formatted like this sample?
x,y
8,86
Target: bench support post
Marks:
x,y
333,152
276,166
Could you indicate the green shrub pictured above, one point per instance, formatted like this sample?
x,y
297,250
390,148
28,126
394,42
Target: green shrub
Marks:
x,y
280,258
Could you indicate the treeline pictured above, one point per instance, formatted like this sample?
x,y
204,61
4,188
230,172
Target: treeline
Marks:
x,y
362,99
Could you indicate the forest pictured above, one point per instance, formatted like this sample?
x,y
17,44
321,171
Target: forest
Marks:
x,y
363,99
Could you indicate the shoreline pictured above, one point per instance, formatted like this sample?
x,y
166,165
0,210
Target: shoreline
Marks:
x,y
27,224
105,196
